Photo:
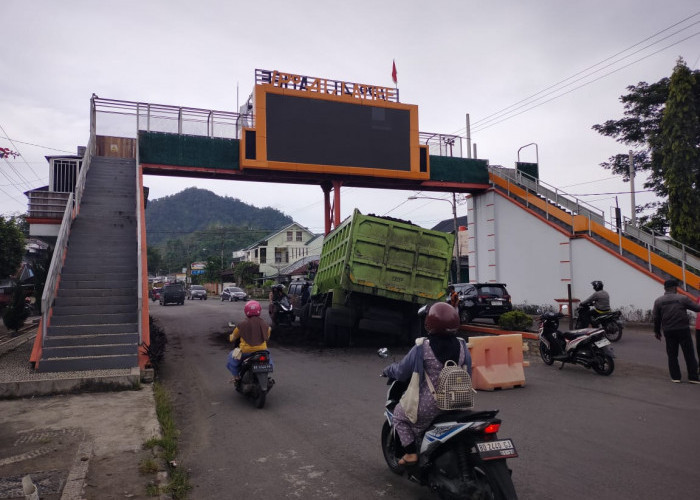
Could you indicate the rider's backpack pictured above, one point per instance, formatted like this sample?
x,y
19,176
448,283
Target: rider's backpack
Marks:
x,y
454,390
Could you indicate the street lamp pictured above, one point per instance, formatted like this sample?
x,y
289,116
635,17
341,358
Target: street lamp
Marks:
x,y
458,270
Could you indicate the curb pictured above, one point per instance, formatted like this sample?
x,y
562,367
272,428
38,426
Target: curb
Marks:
x,y
50,387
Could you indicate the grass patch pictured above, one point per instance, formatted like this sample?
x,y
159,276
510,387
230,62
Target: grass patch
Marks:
x,y
148,466
179,483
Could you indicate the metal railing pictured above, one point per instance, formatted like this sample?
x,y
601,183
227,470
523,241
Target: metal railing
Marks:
x,y
59,252
71,211
675,252
550,193
663,245
441,144
127,118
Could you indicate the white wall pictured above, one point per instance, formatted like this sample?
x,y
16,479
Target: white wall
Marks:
x,y
509,245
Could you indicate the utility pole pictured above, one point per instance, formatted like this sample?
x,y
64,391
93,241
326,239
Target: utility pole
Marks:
x,y
634,206
454,218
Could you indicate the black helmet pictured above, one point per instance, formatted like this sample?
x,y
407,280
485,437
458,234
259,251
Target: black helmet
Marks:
x,y
442,319
597,285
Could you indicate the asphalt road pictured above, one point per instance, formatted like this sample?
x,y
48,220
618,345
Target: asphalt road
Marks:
x,y
579,435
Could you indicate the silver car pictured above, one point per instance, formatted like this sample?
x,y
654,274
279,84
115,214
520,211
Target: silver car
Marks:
x,y
233,293
197,292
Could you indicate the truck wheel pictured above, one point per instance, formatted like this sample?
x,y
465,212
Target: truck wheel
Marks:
x,y
342,336
329,329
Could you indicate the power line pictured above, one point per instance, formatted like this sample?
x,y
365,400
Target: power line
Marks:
x,y
17,149
524,102
584,84
37,145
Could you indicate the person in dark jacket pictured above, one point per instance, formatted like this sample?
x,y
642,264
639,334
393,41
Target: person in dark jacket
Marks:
x,y
600,300
427,359
670,315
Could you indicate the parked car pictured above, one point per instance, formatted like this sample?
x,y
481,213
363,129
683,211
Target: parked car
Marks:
x,y
197,292
155,293
482,300
172,293
233,293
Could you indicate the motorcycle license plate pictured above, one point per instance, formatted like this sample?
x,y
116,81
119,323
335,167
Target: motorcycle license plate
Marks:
x,y
496,302
262,368
602,342
491,450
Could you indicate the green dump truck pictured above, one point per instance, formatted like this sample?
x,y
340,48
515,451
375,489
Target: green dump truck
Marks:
x,y
374,274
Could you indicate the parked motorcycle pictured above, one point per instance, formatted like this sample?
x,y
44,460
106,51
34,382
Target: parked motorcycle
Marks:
x,y
611,322
460,454
282,311
588,347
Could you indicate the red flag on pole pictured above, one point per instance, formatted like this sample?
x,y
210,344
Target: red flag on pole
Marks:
x,y
393,71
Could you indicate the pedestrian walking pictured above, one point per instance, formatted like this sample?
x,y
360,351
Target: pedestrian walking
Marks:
x,y
670,315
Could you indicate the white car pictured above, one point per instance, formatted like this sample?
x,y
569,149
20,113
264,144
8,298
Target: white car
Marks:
x,y
197,292
233,293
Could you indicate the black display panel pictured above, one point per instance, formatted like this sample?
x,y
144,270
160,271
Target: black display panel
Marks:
x,y
322,132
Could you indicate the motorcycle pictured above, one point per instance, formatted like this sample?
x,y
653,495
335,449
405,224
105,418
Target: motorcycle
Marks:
x,y
588,347
255,381
611,322
460,454
283,311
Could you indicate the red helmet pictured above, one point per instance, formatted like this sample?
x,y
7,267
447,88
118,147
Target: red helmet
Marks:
x,y
442,318
252,308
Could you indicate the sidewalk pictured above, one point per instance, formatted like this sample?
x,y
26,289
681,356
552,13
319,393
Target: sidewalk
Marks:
x,y
74,446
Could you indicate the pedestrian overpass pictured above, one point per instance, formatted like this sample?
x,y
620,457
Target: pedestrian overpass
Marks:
x,y
102,223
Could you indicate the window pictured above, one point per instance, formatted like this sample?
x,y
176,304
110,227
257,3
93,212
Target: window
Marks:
x,y
263,255
289,235
281,255
298,235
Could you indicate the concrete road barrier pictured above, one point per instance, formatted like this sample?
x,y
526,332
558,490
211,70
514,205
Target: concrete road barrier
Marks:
x,y
497,362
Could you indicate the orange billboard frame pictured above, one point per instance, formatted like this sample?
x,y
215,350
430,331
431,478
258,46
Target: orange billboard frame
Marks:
x,y
260,160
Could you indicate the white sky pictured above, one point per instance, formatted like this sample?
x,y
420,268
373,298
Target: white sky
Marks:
x,y
453,57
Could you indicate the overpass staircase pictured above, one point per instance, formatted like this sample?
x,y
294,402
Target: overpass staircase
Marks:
x,y
93,321
654,253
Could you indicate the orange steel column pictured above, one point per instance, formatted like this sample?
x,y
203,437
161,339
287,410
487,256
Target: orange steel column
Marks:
x,y
326,206
145,325
336,202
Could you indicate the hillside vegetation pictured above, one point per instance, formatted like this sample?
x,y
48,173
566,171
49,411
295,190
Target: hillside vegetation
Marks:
x,y
196,223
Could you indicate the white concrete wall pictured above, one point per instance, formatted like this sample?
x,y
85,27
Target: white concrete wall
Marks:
x,y
509,245
630,290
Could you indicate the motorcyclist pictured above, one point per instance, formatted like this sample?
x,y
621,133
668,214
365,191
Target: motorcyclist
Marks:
x,y
253,333
600,300
426,359
276,294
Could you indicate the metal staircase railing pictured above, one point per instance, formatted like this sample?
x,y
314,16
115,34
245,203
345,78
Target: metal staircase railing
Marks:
x,y
550,193
685,258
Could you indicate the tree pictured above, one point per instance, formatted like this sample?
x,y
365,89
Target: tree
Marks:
x,y
641,129
246,272
213,271
155,259
11,246
680,156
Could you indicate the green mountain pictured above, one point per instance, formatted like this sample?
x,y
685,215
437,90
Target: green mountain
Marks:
x,y
196,223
